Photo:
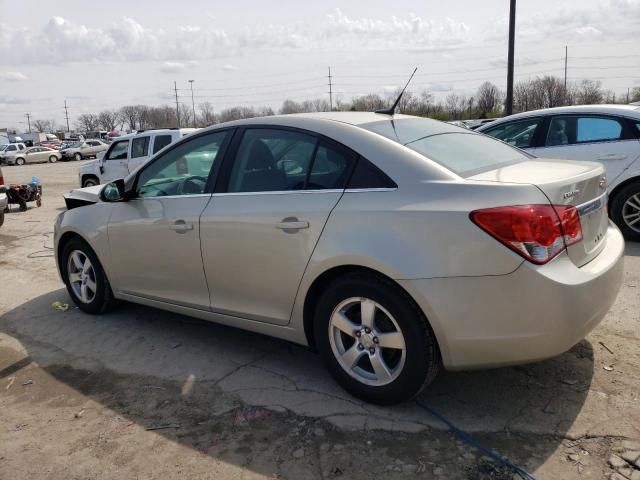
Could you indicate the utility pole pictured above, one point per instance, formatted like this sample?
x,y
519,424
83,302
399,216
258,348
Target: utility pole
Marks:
x,y
66,115
28,115
175,88
193,104
627,94
512,38
330,92
566,55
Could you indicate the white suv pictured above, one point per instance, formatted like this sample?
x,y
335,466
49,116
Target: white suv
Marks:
x,y
127,153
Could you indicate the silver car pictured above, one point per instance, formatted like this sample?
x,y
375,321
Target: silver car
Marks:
x,y
84,149
31,155
394,245
4,200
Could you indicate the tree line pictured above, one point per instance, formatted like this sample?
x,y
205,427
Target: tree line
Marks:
x,y
486,102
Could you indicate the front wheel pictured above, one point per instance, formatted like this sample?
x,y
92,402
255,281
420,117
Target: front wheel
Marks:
x,y
375,340
625,211
53,159
89,182
77,156
20,161
85,278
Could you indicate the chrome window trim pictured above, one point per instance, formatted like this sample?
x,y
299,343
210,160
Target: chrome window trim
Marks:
x,y
278,192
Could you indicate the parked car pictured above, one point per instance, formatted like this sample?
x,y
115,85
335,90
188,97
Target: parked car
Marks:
x,y
8,149
126,153
32,155
395,245
83,149
609,134
4,200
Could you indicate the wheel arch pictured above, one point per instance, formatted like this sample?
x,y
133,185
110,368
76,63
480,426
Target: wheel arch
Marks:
x,y
324,279
86,176
620,186
65,238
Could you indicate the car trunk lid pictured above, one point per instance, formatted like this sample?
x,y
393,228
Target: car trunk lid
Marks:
x,y
579,184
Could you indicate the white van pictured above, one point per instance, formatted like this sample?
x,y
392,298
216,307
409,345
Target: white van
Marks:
x,y
127,153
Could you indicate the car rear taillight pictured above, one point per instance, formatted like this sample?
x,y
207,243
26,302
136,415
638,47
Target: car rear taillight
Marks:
x,y
1,180
537,232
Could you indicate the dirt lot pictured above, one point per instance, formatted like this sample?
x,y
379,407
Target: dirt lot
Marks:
x,y
142,393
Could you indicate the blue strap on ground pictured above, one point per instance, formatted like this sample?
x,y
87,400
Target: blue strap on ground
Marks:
x,y
465,437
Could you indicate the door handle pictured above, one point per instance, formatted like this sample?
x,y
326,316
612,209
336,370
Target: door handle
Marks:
x,y
292,223
180,226
612,156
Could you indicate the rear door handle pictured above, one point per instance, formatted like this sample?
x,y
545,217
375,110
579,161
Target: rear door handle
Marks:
x,y
180,226
292,224
612,156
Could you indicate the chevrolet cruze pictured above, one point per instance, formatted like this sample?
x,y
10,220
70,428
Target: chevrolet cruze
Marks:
x,y
394,245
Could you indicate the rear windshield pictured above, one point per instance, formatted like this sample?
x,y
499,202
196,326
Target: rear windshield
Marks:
x,y
461,151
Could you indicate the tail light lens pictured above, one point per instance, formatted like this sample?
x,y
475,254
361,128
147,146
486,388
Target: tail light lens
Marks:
x,y
537,232
1,180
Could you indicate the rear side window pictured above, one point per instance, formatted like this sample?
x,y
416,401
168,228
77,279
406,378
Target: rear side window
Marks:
x,y
367,175
519,134
160,142
331,166
467,153
139,147
567,130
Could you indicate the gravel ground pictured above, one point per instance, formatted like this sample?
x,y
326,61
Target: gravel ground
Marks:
x,y
141,393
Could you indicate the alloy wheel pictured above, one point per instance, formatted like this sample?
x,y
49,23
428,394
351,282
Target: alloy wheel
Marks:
x,y
367,341
82,276
631,212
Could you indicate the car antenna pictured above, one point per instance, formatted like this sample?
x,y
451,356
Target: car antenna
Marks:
x,y
391,110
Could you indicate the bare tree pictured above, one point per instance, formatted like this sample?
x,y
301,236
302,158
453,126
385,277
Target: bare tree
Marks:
x,y
368,103
635,94
87,121
589,92
452,106
207,114
129,115
488,99
109,119
43,125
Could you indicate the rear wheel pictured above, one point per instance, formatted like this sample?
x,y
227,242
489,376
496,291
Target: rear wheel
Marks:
x,y
625,211
77,156
375,340
19,161
53,159
85,279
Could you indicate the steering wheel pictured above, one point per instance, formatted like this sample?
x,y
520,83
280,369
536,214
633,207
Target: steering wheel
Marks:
x,y
193,184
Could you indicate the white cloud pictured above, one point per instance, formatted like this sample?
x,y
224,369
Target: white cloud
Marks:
x,y
12,100
13,76
172,67
230,68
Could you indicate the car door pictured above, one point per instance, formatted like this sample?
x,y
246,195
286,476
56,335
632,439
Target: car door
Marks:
x,y
155,237
139,152
115,162
521,133
32,155
262,224
596,138
43,154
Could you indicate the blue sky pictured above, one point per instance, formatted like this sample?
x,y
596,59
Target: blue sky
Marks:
x,y
104,55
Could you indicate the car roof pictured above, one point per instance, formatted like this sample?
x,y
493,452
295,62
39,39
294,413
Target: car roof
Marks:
x,y
624,110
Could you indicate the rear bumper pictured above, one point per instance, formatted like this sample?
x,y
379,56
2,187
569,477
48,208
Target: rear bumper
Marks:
x,y
533,313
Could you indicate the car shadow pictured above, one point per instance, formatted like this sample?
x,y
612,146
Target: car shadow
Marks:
x,y
159,370
632,249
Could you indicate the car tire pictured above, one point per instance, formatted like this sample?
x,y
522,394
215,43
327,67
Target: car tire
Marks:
x,y
19,161
89,182
1,218
625,211
408,359
87,285
53,159
77,156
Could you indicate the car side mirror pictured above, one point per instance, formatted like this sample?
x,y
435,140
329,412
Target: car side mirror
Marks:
x,y
114,192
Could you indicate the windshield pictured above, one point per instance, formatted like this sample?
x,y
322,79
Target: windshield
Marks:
x,y
75,145
3,147
461,151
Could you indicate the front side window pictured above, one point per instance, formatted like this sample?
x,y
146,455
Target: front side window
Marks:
x,y
160,142
139,147
12,148
118,150
183,170
518,134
